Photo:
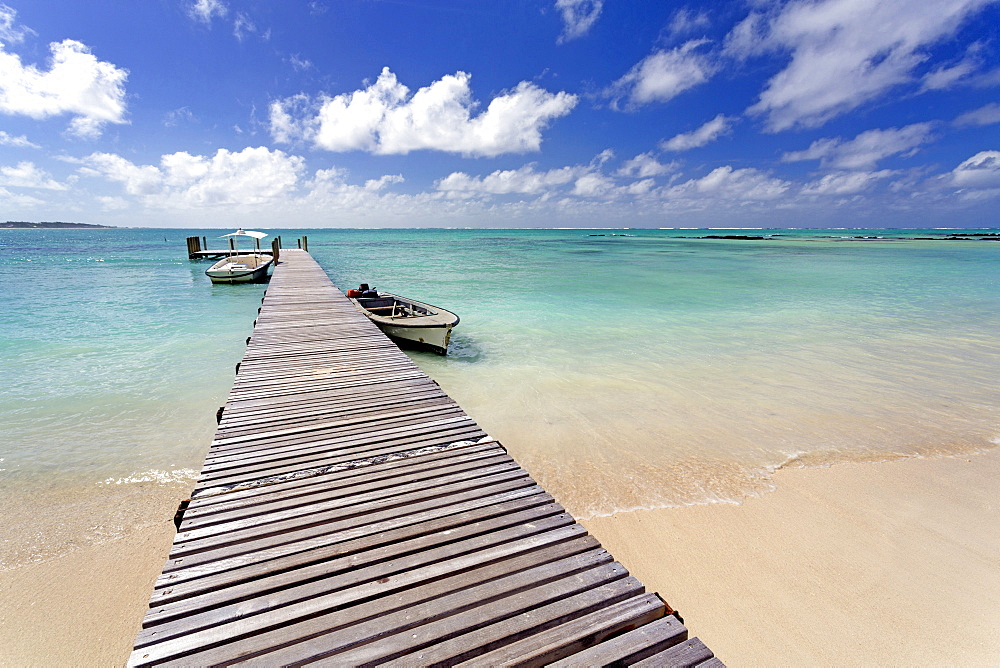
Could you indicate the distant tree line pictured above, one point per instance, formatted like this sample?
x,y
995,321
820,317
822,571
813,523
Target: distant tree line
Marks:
x,y
20,224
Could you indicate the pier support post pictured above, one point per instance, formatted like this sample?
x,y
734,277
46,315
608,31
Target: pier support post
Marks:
x,y
276,248
305,243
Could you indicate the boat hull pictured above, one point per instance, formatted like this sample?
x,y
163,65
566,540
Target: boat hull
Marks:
x,y
432,339
425,327
241,269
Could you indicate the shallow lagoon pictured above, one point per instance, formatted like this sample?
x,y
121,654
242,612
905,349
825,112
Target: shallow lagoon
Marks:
x,y
642,371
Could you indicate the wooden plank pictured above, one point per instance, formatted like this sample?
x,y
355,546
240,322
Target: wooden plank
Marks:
x,y
198,566
465,620
691,652
295,587
359,553
492,624
349,450
189,582
227,632
267,646
209,510
578,634
372,487
330,505
244,536
358,467
630,647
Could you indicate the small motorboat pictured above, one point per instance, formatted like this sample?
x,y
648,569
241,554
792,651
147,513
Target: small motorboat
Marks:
x,y
406,321
250,267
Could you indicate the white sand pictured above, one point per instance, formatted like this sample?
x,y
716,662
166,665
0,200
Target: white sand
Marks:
x,y
888,564
867,564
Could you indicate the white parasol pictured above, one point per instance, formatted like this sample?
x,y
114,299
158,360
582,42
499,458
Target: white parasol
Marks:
x,y
245,233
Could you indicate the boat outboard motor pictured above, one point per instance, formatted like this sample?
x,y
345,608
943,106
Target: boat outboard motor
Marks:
x,y
363,287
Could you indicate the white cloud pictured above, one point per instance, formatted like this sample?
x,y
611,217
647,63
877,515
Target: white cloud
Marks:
x,y
640,187
726,183
601,158
10,32
11,140
595,185
578,17
707,133
645,165
577,181
10,200
988,79
265,187
248,177
748,38
298,63
662,76
503,182
980,171
844,53
865,150
243,26
385,119
686,21
112,203
77,83
985,115
178,116
845,183
383,182
945,77
204,10
27,175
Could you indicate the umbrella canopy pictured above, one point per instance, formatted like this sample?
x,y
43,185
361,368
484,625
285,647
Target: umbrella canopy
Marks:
x,y
245,233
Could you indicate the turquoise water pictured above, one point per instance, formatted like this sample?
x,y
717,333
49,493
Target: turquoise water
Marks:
x,y
623,371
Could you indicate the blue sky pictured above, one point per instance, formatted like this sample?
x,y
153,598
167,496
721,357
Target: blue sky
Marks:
x,y
514,113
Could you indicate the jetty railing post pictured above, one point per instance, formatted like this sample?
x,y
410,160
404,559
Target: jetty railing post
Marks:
x,y
276,248
299,241
305,243
204,243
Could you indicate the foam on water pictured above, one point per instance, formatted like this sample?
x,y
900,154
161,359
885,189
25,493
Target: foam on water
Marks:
x,y
647,371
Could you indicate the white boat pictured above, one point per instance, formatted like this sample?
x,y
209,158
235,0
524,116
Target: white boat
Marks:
x,y
408,322
249,267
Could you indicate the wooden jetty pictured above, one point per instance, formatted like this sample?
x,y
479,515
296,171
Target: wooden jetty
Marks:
x,y
197,248
350,513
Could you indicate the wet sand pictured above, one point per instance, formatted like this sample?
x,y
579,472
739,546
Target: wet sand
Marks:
x,y
856,564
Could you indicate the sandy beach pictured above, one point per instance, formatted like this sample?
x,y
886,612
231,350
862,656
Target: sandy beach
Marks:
x,y
857,564
894,563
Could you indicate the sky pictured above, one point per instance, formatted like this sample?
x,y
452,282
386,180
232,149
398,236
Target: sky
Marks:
x,y
508,113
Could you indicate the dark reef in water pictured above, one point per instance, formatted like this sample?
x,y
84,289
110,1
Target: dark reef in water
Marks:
x,y
954,236
20,225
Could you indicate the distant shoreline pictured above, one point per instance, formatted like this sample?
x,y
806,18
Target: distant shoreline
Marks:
x,y
18,225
